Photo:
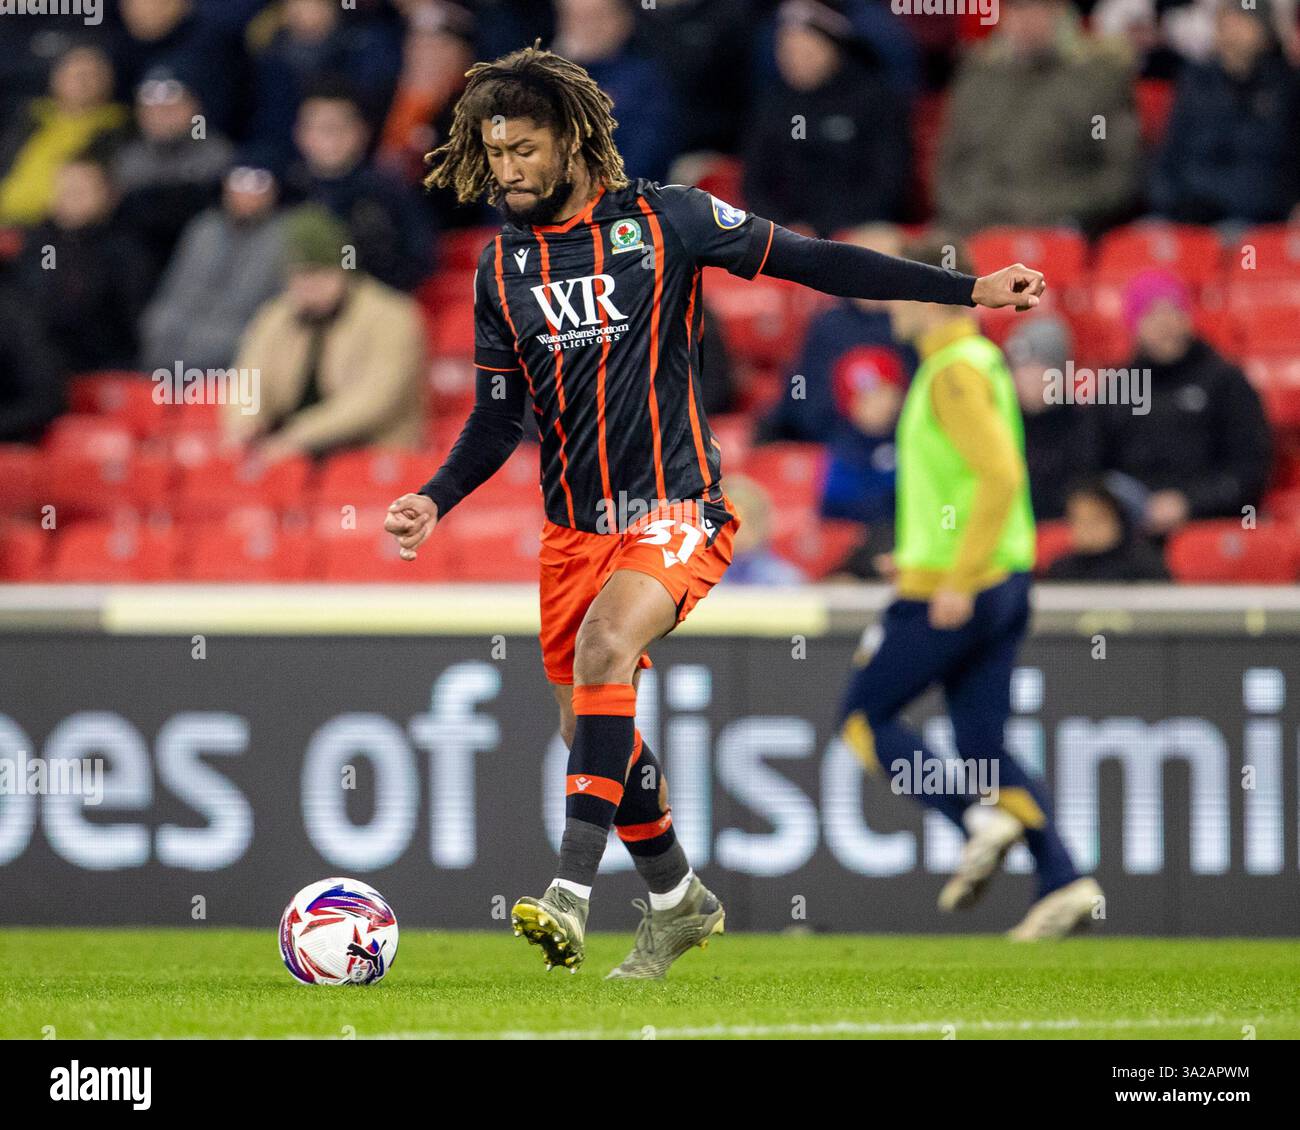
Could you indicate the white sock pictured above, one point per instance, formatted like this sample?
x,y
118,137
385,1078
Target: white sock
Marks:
x,y
670,899
574,888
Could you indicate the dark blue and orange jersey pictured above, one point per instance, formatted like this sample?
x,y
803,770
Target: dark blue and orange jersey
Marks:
x,y
601,318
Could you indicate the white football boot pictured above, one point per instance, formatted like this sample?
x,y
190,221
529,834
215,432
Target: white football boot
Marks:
x,y
1062,912
992,832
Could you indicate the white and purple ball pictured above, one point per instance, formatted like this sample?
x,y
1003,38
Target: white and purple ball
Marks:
x,y
338,932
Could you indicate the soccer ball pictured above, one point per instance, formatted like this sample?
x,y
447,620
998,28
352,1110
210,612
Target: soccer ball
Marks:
x,y
338,932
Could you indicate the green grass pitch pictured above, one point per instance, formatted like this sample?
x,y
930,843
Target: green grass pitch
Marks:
x,y
213,983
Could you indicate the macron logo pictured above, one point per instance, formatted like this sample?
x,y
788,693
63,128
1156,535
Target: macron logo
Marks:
x,y
102,1084
583,784
521,257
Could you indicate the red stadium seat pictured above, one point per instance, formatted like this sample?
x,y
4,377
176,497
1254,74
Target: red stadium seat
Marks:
x,y
1262,268
20,472
452,333
127,398
1277,380
496,547
461,248
1099,339
816,545
723,177
372,555
1061,254
107,552
1155,99
371,476
1054,542
230,482
1223,552
98,437
23,548
791,473
78,485
1269,330
513,487
734,432
763,319
259,552
1191,253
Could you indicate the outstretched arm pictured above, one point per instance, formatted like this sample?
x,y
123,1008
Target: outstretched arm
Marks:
x,y
848,271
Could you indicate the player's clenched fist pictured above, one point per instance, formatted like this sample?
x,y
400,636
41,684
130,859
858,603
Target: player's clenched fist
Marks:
x,y
1017,286
410,520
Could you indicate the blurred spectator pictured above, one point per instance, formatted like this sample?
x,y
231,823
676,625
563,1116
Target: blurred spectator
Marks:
x,y
314,38
1229,151
754,561
31,388
507,25
846,393
1056,438
703,47
228,264
173,170
829,144
1202,450
1106,547
29,51
598,34
1169,34
439,50
341,356
181,36
393,238
86,272
49,131
1021,144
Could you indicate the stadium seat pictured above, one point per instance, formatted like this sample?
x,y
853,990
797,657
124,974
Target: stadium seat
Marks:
x,y
1262,268
1191,253
514,486
79,485
1272,331
99,437
1155,99
1219,552
460,248
1100,339
763,319
229,482
23,547
791,473
1060,253
20,472
1220,328
452,329
723,177
1277,380
1053,542
816,545
734,432
372,476
259,552
109,552
490,549
128,398
370,555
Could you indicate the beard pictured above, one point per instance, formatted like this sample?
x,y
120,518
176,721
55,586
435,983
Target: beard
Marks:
x,y
544,209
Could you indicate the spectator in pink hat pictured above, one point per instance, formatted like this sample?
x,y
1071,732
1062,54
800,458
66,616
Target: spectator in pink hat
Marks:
x,y
1190,439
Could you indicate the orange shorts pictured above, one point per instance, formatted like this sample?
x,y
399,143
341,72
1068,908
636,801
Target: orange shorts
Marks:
x,y
669,545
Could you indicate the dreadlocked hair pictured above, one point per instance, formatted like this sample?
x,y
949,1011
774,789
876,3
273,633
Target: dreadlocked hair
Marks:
x,y
529,83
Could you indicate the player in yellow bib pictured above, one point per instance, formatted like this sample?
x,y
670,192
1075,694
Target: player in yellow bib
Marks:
x,y
962,563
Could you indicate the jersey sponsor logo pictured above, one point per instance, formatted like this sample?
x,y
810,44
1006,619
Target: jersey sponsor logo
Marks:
x,y
560,307
625,235
725,216
521,257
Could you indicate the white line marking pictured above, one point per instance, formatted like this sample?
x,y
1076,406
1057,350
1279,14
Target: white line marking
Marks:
x,y
830,1028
